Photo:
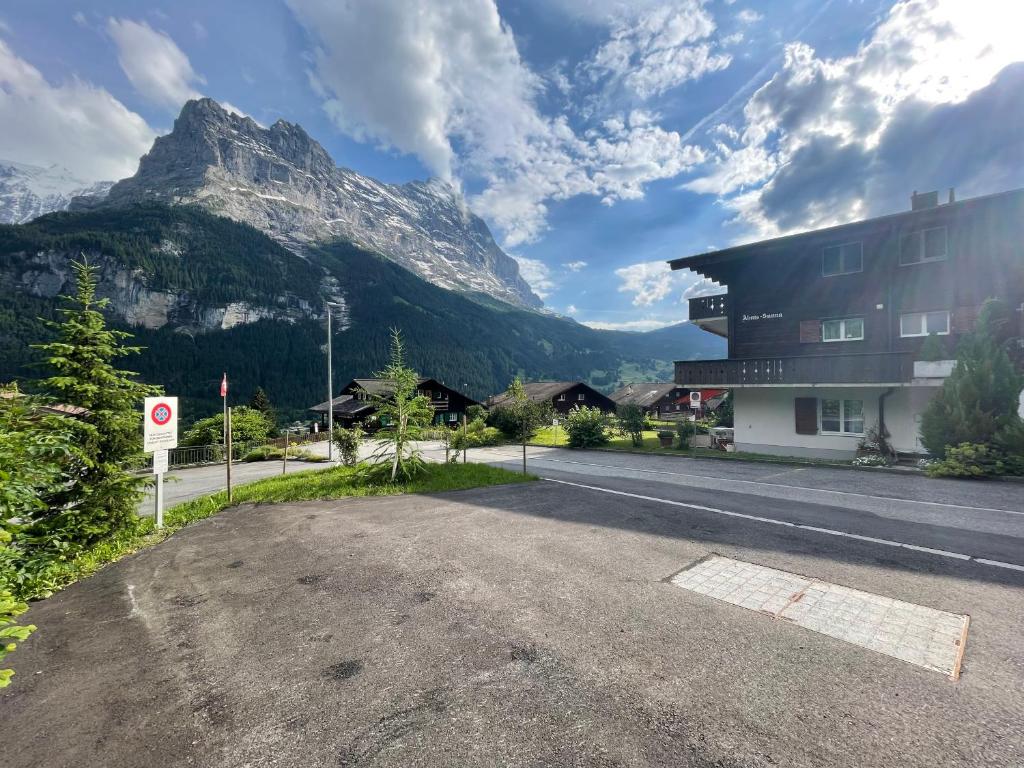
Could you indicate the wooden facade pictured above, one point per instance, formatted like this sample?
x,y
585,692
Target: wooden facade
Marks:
x,y
788,295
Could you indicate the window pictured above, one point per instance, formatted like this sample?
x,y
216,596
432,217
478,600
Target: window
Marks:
x,y
924,323
847,329
561,398
842,259
581,396
453,417
923,245
842,417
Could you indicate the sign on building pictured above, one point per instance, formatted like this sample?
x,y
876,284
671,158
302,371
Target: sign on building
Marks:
x,y
695,399
161,423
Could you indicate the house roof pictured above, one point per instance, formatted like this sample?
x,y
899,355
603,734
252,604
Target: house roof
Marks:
x,y
344,404
541,391
707,263
643,393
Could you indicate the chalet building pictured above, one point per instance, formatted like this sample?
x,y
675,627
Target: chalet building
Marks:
x,y
355,404
668,400
825,328
563,396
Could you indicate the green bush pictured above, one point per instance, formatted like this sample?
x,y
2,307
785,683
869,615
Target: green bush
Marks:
x,y
347,442
10,609
247,426
263,453
509,421
631,421
475,438
933,349
474,412
585,427
972,460
685,429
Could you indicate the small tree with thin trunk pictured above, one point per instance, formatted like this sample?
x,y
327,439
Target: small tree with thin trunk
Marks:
x,y
631,420
403,416
526,415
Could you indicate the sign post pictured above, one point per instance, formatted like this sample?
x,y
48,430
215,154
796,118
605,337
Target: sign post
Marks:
x,y
160,434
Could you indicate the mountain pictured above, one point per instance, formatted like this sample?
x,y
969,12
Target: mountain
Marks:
x,y
284,183
204,294
27,191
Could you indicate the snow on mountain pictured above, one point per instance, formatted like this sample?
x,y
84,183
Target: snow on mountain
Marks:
x,y
27,191
283,182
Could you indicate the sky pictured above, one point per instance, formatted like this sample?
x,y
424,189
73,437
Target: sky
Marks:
x,y
598,138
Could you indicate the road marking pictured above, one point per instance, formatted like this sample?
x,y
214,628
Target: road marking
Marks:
x,y
776,485
917,634
816,529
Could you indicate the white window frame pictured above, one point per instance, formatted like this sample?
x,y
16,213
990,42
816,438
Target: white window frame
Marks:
x,y
581,396
561,398
842,263
923,326
842,417
842,329
452,416
922,258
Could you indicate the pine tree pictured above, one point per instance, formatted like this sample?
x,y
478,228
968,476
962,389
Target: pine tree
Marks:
x,y
980,397
102,499
260,402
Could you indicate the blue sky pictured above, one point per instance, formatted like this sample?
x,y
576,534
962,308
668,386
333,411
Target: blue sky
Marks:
x,y
598,138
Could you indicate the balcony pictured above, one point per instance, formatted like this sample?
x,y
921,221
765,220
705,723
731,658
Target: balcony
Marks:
x,y
711,313
810,370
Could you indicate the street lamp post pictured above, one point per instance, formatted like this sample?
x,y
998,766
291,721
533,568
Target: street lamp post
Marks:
x,y
330,391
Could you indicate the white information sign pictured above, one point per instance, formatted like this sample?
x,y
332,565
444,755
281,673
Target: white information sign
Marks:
x,y
159,461
161,423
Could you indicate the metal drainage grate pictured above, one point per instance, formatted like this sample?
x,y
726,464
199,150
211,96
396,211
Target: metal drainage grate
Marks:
x,y
913,633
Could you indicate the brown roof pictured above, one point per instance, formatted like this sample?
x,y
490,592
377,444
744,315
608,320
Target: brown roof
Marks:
x,y
344,404
539,391
643,393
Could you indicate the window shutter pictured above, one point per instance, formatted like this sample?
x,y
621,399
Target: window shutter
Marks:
x,y
810,331
806,415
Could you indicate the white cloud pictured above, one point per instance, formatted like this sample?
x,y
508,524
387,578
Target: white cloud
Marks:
x,y
157,68
449,86
652,50
645,324
830,140
571,309
649,281
537,274
748,16
74,124
80,19
574,266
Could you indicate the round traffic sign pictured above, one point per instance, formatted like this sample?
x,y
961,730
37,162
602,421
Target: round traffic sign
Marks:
x,y
161,413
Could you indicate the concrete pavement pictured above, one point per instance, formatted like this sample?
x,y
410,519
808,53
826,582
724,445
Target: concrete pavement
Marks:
x,y
526,625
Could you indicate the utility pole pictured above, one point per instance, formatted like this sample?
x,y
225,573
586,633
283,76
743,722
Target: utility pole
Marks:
x,y
330,391
463,438
284,464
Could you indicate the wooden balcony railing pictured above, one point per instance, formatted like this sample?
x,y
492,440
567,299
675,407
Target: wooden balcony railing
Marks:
x,y
866,368
704,307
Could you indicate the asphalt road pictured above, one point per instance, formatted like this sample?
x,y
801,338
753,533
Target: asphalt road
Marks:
x,y
514,626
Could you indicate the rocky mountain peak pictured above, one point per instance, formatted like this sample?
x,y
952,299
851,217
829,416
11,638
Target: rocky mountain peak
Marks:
x,y
282,181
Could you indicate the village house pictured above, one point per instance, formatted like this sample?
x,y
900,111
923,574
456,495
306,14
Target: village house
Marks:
x,y
668,400
563,396
355,403
825,328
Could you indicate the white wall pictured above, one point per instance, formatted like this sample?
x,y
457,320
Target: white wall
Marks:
x,y
765,420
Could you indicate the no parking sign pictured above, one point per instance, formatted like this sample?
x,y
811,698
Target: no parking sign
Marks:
x,y
161,423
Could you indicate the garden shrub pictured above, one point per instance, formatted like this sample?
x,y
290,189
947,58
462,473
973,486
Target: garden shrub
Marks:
x,y
975,460
631,421
247,426
474,412
685,430
263,453
347,442
585,427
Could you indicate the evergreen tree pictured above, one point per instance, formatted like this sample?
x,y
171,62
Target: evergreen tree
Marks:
x,y
403,415
260,402
101,499
981,395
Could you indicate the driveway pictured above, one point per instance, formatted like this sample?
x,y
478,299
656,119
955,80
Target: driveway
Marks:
x,y
515,625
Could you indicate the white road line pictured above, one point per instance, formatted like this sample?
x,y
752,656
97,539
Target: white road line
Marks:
x,y
773,521
778,485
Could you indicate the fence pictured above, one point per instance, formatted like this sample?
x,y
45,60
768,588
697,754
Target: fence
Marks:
x,y
198,455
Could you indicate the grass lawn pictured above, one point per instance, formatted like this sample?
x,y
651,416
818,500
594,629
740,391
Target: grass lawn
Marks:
x,y
552,437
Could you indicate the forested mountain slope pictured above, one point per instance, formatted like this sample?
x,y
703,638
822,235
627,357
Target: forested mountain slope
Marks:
x,y
206,294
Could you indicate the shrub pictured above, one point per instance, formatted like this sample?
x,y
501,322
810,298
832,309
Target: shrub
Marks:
x,y
585,427
725,412
631,420
509,419
10,609
685,429
474,412
475,438
247,426
970,460
934,348
666,434
347,442
980,398
874,445
263,453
